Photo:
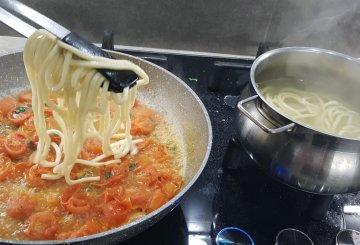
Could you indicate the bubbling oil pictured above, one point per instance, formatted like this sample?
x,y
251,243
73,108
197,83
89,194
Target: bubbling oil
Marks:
x,y
167,132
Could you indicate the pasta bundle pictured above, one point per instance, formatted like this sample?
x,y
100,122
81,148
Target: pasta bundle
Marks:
x,y
67,81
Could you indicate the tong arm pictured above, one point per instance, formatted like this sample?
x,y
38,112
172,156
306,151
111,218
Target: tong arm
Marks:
x,y
118,79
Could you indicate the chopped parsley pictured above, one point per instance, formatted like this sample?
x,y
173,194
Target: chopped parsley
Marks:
x,y
89,188
86,173
132,166
20,109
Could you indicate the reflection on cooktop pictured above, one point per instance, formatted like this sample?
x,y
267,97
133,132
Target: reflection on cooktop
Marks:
x,y
190,223
198,212
171,229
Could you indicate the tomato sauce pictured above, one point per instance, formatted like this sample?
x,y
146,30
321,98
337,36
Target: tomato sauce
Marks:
x,y
32,208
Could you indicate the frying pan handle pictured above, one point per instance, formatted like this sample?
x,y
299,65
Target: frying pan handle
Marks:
x,y
118,80
242,109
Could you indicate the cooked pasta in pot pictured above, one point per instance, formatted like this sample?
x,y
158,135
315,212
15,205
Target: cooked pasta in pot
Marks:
x,y
321,111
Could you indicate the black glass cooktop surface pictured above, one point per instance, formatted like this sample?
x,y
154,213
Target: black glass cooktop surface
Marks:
x,y
235,193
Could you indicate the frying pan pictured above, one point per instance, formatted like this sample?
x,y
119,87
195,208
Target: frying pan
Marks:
x,y
181,107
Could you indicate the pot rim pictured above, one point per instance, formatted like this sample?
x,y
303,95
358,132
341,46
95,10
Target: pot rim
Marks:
x,y
272,52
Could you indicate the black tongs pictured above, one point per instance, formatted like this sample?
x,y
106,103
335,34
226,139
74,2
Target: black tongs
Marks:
x,y
118,80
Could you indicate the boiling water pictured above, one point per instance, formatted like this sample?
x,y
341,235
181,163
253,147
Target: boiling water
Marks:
x,y
312,108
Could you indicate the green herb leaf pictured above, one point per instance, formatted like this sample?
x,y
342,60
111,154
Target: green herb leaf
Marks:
x,y
89,188
132,166
20,109
86,173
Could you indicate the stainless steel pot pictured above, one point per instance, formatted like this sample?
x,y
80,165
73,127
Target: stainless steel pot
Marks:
x,y
170,95
290,151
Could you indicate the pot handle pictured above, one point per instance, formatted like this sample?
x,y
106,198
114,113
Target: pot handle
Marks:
x,y
242,109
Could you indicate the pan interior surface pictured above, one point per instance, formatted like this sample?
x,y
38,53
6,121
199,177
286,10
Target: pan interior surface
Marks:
x,y
168,95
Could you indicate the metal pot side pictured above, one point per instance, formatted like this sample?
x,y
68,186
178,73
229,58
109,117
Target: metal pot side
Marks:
x,y
299,156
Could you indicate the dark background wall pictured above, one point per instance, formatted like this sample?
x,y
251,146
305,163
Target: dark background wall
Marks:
x,y
228,26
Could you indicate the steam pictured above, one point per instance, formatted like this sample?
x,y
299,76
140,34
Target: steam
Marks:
x,y
329,24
